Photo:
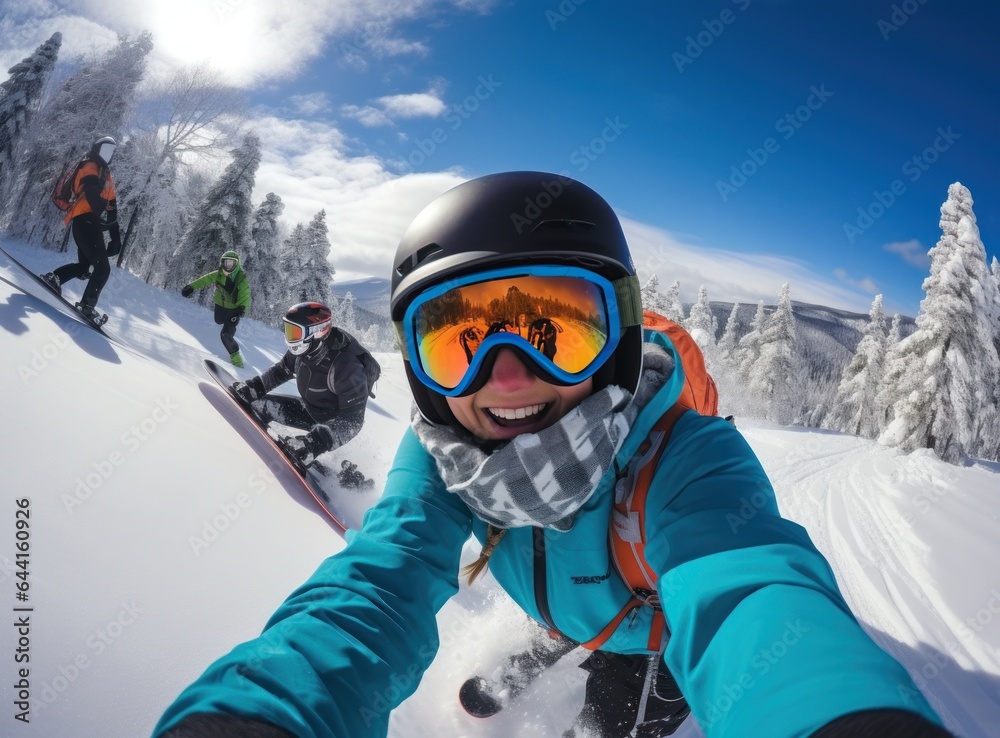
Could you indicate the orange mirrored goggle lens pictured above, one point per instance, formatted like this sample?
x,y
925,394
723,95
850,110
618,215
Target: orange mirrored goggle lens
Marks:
x,y
561,319
294,333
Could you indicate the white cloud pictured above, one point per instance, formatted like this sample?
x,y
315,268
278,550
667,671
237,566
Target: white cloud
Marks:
x,y
391,107
912,252
728,275
249,42
867,284
311,104
419,105
366,115
368,207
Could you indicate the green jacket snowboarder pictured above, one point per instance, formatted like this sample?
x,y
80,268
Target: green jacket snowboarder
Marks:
x,y
232,299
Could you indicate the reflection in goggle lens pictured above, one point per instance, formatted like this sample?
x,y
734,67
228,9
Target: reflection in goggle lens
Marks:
x,y
564,319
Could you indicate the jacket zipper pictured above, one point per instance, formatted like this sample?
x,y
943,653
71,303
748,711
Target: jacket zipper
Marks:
x,y
541,581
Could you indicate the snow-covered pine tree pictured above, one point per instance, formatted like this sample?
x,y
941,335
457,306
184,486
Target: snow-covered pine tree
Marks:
x,y
701,324
290,266
748,350
345,316
651,298
261,258
771,376
729,342
222,222
855,409
20,97
672,303
942,380
316,275
95,101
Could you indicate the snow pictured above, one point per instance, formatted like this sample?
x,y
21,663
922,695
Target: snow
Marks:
x,y
127,464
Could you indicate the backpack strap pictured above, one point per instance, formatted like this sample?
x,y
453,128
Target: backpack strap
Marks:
x,y
627,534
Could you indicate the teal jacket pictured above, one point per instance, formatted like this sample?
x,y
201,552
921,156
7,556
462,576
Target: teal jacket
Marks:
x,y
762,643
231,290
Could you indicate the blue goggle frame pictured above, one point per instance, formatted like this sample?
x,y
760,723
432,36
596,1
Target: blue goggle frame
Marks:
x,y
612,314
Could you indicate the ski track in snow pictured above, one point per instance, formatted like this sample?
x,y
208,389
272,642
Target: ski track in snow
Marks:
x,y
908,537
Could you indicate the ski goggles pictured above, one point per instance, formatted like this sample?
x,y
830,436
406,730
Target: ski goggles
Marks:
x,y
228,264
566,320
295,333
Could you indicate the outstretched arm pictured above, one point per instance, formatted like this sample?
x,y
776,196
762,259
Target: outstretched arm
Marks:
x,y
352,642
762,642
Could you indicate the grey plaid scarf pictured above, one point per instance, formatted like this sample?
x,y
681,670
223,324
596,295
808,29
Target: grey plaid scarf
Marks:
x,y
542,479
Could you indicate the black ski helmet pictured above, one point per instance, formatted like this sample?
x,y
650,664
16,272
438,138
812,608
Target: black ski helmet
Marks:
x,y
104,149
313,321
510,219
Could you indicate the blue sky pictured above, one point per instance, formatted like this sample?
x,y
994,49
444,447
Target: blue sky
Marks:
x,y
738,139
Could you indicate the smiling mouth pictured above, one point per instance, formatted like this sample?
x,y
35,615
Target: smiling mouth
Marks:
x,y
511,417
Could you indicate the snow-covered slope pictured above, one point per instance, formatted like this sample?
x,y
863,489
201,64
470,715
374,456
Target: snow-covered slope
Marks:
x,y
159,539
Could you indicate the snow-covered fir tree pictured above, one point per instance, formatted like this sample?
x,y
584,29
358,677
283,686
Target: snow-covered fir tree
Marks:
x,y
261,260
748,350
345,316
771,377
855,409
701,324
317,275
305,265
672,303
729,341
222,221
95,101
20,97
651,298
942,380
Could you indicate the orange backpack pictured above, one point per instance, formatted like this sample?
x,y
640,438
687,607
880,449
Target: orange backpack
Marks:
x,y
627,533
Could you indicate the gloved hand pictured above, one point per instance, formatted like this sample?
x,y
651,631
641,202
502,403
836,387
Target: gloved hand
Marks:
x,y
241,311
306,448
187,290
115,247
300,448
248,391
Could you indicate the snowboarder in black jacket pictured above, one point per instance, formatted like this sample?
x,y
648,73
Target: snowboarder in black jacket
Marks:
x,y
334,374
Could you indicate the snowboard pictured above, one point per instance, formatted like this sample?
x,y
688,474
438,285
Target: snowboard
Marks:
x,y
95,324
341,490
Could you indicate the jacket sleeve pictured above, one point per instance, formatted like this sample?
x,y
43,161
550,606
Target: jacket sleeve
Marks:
x,y
243,293
280,373
204,280
762,642
353,641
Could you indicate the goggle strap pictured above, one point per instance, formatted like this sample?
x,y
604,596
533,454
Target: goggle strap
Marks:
x,y
627,294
